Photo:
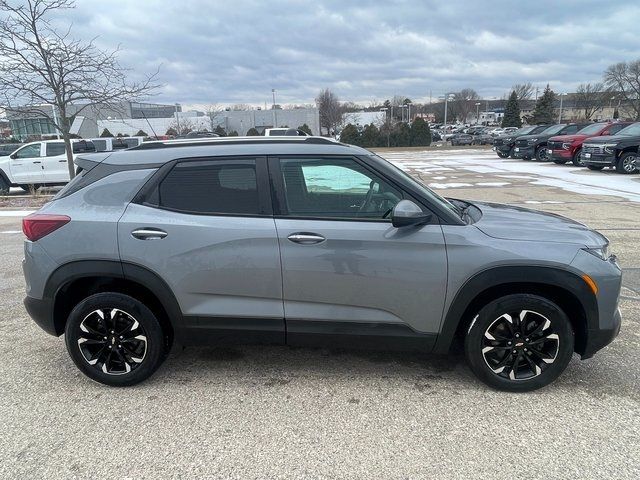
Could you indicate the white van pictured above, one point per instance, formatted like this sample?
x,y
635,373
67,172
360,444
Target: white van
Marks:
x,y
39,163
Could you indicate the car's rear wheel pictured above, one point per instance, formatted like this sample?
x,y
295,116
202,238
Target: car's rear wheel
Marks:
x,y
628,163
594,167
541,154
519,343
577,158
4,187
114,339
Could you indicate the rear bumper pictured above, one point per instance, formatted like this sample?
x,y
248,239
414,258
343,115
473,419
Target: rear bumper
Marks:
x,y
41,311
599,159
601,337
523,152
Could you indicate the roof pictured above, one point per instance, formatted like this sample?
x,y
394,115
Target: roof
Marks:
x,y
157,152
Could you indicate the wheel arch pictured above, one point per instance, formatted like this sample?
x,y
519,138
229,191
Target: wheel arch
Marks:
x,y
72,282
562,287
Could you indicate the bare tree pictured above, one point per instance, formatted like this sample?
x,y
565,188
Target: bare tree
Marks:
x,y
524,91
590,97
183,125
464,103
214,112
329,109
53,75
624,79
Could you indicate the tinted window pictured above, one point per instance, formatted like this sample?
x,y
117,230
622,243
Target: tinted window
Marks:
x,y
633,129
553,129
55,148
101,145
131,142
225,187
83,146
30,151
613,129
591,129
336,189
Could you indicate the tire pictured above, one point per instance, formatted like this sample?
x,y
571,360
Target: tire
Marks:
x,y
576,159
93,334
4,187
628,163
541,154
594,167
543,346
502,155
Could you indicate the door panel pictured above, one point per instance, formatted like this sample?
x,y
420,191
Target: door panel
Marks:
x,y
55,163
217,266
26,168
364,272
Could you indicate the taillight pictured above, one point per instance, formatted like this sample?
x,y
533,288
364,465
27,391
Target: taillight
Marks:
x,y
38,225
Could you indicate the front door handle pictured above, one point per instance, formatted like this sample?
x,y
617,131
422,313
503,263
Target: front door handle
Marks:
x,y
306,238
148,234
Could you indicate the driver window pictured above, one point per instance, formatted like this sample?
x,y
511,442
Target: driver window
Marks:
x,y
30,151
336,188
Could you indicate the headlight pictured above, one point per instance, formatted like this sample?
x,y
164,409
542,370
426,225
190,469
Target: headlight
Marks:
x,y
566,146
600,252
609,147
532,140
508,140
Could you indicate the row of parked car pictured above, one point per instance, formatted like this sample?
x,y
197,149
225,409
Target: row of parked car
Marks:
x,y
34,164
471,135
592,145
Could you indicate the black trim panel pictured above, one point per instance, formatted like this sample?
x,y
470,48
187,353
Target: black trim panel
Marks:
x,y
379,336
202,330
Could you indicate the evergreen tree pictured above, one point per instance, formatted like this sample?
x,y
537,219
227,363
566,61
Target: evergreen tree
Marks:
x,y
220,131
106,133
350,135
233,133
420,133
305,128
512,112
543,112
141,133
370,136
401,135
252,132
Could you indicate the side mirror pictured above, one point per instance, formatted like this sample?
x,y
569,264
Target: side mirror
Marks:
x,y
13,156
407,213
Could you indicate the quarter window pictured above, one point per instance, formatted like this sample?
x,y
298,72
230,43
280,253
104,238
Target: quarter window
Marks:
x,y
55,148
336,188
211,187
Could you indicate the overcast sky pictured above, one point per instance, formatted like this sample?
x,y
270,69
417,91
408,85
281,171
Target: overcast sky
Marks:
x,y
236,52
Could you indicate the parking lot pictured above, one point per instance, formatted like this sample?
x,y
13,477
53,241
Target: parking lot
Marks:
x,y
278,412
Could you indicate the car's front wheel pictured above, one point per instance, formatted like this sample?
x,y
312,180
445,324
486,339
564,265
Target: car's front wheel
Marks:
x,y
577,158
114,339
541,154
628,163
519,343
502,154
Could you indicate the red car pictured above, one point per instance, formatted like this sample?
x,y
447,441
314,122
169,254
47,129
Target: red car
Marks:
x,y
565,148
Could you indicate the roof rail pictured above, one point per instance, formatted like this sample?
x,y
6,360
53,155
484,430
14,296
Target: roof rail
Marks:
x,y
233,141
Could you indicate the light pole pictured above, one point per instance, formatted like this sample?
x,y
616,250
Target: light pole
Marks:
x,y
446,101
478,112
273,107
385,109
560,114
177,118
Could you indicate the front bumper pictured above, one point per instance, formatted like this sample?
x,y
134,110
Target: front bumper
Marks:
x,y
560,154
523,152
505,149
599,159
41,311
599,338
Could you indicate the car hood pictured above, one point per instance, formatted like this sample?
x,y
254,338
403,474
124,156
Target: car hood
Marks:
x,y
568,138
609,139
517,223
527,137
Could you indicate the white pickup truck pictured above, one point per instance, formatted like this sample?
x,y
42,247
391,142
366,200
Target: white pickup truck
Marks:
x,y
39,163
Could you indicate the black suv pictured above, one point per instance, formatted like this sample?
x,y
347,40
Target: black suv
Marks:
x,y
503,145
619,151
535,145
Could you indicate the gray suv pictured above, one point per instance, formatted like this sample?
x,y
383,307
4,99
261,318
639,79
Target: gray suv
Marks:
x,y
304,241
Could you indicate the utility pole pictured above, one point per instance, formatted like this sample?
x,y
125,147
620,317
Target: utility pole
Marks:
x,y
275,115
560,114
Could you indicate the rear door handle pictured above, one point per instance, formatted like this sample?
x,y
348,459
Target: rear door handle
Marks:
x,y
306,238
37,161
148,234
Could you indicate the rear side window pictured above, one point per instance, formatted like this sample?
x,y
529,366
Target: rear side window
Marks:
x,y
211,187
54,148
101,145
613,129
83,146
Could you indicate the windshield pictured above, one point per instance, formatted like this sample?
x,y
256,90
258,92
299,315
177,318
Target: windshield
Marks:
x,y
523,131
591,129
430,194
633,129
553,129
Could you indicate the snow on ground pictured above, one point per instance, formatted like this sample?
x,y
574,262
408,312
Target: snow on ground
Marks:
x,y
486,162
